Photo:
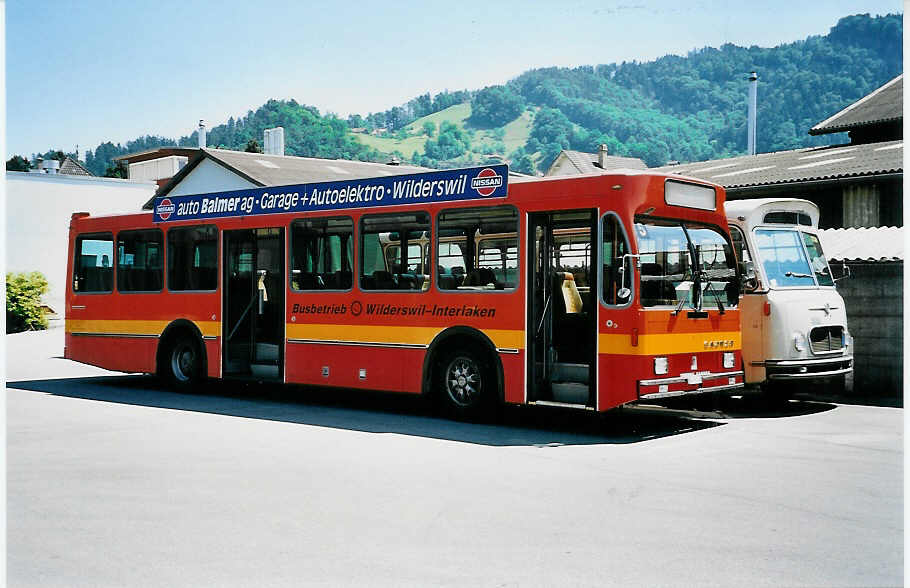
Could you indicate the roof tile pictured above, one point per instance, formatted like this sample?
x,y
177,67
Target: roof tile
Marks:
x,y
798,165
883,105
871,244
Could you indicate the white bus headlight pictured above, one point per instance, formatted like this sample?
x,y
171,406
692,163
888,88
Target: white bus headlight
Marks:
x,y
799,342
729,359
661,365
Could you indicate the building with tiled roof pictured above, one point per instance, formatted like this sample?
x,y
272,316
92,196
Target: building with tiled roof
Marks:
x,y
853,185
215,170
578,162
876,117
71,167
859,184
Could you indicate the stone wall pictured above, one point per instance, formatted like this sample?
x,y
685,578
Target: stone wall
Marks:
x,y
874,299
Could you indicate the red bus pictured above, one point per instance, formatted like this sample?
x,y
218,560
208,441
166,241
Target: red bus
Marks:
x,y
586,291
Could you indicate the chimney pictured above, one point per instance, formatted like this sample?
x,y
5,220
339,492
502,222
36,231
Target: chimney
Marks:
x,y
753,108
601,155
273,141
201,134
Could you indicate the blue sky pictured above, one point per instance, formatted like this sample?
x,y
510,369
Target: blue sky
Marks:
x,y
90,71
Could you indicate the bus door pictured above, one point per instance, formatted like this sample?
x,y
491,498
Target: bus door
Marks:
x,y
254,292
562,307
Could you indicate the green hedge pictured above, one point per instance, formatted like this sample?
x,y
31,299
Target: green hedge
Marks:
x,y
23,302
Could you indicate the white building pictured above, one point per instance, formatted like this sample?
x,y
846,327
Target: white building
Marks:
x,y
38,211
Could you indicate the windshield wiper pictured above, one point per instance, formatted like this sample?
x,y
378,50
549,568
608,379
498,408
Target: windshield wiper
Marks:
x,y
796,275
720,305
696,277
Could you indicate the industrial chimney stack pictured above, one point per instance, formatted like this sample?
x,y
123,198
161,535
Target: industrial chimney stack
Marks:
x,y
201,134
753,109
273,141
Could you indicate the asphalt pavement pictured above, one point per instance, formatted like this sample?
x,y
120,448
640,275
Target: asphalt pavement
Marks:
x,y
115,481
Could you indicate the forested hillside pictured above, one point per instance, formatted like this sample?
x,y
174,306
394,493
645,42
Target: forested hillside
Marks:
x,y
684,108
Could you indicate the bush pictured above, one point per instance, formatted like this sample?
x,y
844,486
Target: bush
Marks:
x,y
23,302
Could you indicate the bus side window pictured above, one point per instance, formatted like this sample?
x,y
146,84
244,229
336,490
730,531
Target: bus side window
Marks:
x,y
478,249
192,258
500,255
614,270
390,252
321,254
140,266
93,268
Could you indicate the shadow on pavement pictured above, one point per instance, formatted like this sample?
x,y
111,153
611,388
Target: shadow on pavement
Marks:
x,y
751,405
382,413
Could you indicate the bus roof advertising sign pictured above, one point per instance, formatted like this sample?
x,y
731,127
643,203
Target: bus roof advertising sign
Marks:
x,y
424,188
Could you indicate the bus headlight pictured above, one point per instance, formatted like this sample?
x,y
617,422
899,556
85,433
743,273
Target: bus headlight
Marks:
x,y
661,365
799,342
729,359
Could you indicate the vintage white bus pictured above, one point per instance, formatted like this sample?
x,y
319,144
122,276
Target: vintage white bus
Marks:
x,y
794,322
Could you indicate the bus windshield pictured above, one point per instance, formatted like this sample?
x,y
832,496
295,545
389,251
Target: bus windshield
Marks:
x,y
792,258
665,251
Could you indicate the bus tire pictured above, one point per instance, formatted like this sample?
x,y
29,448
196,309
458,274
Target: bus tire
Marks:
x,y
465,385
183,361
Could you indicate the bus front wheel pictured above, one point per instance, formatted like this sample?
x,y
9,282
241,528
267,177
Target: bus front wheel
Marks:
x,y
465,385
183,363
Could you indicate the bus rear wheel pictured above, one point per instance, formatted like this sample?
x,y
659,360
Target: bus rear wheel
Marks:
x,y
465,385
183,363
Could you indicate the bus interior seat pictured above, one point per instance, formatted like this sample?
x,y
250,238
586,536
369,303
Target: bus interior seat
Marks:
x,y
571,297
569,329
487,276
449,281
383,280
330,280
407,282
98,279
307,281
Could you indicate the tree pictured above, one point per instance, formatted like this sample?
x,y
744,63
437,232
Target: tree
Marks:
x,y
452,142
495,106
23,302
429,128
252,146
116,169
17,163
521,162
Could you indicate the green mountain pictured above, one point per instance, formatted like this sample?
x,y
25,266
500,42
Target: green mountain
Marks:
x,y
685,108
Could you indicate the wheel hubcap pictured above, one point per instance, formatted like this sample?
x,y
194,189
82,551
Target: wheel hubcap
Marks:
x,y
183,362
463,382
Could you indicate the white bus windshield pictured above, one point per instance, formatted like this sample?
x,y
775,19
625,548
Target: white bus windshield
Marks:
x,y
783,255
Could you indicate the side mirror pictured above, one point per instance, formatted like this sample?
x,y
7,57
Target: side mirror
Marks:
x,y
625,292
845,272
749,278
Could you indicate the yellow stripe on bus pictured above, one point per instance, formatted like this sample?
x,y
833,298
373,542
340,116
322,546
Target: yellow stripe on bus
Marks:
x,y
668,343
501,338
134,327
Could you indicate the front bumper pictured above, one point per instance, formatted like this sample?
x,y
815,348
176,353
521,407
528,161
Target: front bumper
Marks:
x,y
807,369
688,384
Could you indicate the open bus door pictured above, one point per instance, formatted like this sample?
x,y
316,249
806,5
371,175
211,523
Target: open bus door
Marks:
x,y
254,288
562,307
